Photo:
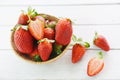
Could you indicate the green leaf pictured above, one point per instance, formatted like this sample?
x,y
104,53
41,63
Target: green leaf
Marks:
x,y
79,39
100,55
37,58
86,44
74,38
51,25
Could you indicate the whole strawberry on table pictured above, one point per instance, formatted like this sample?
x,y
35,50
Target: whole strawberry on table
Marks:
x,y
40,37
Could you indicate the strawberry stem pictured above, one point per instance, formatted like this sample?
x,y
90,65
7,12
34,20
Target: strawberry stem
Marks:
x,y
96,35
100,55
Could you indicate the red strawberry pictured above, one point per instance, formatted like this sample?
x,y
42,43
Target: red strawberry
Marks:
x,y
49,33
40,18
45,49
34,53
23,18
36,29
95,65
77,52
63,31
23,41
79,49
101,42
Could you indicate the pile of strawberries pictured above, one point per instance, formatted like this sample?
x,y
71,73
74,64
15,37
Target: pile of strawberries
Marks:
x,y
39,38
43,37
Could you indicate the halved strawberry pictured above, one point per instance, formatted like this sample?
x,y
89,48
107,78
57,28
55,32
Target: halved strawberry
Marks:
x,y
23,40
63,31
23,18
36,29
45,49
95,65
49,33
101,42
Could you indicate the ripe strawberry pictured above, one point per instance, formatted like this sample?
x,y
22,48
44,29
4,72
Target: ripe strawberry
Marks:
x,y
23,18
33,53
101,42
63,31
23,41
36,29
45,49
79,49
40,18
49,33
95,65
77,52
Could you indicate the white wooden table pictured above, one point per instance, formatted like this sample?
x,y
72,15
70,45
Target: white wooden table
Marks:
x,y
89,16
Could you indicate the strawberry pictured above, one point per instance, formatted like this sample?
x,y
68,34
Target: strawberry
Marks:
x,y
79,49
40,18
101,42
36,29
23,40
49,33
23,18
35,55
77,52
95,65
63,31
45,49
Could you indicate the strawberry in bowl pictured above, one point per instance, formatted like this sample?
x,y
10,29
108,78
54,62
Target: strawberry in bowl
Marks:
x,y
41,38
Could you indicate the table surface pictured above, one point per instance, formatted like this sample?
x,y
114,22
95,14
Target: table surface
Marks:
x,y
88,16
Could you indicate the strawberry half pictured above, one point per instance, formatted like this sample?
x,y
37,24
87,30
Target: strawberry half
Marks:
x,y
36,29
79,49
63,31
23,18
95,65
23,40
101,42
45,49
49,33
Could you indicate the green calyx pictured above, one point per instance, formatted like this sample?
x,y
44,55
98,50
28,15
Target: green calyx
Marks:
x,y
46,39
100,55
37,58
79,41
31,13
18,26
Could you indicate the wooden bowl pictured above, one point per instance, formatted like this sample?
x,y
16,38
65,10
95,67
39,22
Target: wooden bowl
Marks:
x,y
25,57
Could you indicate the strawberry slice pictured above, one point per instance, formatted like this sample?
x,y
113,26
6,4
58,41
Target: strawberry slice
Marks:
x,y
101,42
95,65
23,40
79,49
36,29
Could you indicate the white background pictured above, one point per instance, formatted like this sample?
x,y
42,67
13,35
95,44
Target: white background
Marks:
x,y
89,16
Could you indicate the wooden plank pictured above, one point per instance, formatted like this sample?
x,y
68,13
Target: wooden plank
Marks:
x,y
55,2
86,32
95,14
13,67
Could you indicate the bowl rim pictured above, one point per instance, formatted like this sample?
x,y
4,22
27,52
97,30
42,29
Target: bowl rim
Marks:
x,y
32,61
